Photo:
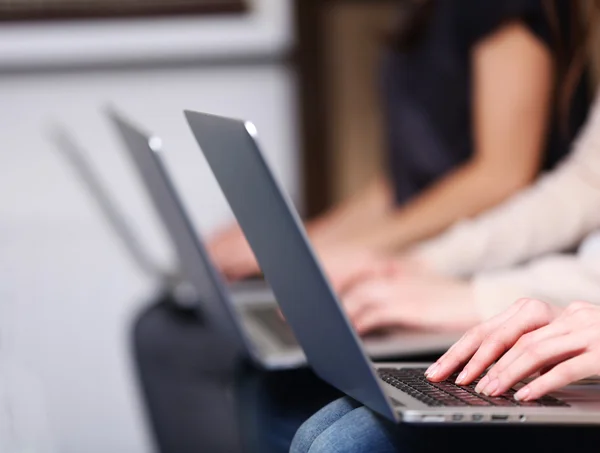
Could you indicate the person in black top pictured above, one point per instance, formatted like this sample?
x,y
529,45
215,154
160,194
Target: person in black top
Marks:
x,y
448,83
479,97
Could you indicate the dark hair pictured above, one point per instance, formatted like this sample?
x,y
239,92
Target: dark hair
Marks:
x,y
573,54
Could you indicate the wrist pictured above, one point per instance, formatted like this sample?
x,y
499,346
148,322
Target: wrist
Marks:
x,y
320,232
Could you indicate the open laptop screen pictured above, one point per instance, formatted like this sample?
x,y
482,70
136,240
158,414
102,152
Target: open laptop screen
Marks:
x,y
274,231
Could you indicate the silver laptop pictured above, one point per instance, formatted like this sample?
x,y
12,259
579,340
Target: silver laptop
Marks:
x,y
251,311
169,280
399,392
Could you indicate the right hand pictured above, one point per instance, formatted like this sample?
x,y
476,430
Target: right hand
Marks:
x,y
232,254
498,337
348,265
345,265
410,297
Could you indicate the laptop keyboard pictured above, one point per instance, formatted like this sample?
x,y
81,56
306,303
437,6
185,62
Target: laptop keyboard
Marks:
x,y
413,382
272,321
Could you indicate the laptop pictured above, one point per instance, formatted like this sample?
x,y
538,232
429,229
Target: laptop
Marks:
x,y
169,280
252,312
398,391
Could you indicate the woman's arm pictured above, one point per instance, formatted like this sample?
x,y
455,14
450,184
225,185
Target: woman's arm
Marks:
x,y
403,297
512,84
234,258
553,215
556,279
357,214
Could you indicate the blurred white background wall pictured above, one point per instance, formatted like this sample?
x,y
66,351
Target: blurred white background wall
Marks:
x,y
68,292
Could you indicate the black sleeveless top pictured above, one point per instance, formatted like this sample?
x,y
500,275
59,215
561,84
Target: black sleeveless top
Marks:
x,y
427,90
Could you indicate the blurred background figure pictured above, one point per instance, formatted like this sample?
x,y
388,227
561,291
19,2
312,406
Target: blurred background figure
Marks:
x,y
540,243
522,248
469,95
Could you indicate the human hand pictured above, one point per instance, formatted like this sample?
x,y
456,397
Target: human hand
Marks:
x,y
411,298
531,337
343,263
232,254
346,265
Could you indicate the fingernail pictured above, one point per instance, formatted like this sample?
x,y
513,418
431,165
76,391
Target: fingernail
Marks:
x,y
491,387
482,384
429,369
523,394
461,377
433,371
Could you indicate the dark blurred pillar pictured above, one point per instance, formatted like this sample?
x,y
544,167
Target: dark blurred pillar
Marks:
x,y
309,60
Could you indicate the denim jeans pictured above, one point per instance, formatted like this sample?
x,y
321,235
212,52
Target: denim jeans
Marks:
x,y
347,426
272,405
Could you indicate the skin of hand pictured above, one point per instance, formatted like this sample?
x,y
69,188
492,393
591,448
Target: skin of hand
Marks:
x,y
331,231
343,264
232,254
408,296
346,265
508,128
563,345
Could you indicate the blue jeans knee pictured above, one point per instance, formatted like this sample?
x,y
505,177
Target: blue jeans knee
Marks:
x,y
343,426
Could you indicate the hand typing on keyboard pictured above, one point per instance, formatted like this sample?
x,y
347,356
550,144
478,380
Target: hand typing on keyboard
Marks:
x,y
563,345
344,264
417,299
447,393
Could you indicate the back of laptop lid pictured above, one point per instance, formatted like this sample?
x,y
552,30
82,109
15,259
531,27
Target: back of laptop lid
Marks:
x,y
279,242
99,192
195,265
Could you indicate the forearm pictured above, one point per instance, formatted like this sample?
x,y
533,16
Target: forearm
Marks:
x,y
557,279
464,193
554,214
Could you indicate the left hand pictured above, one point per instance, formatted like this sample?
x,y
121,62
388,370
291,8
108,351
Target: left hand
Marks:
x,y
531,337
411,299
